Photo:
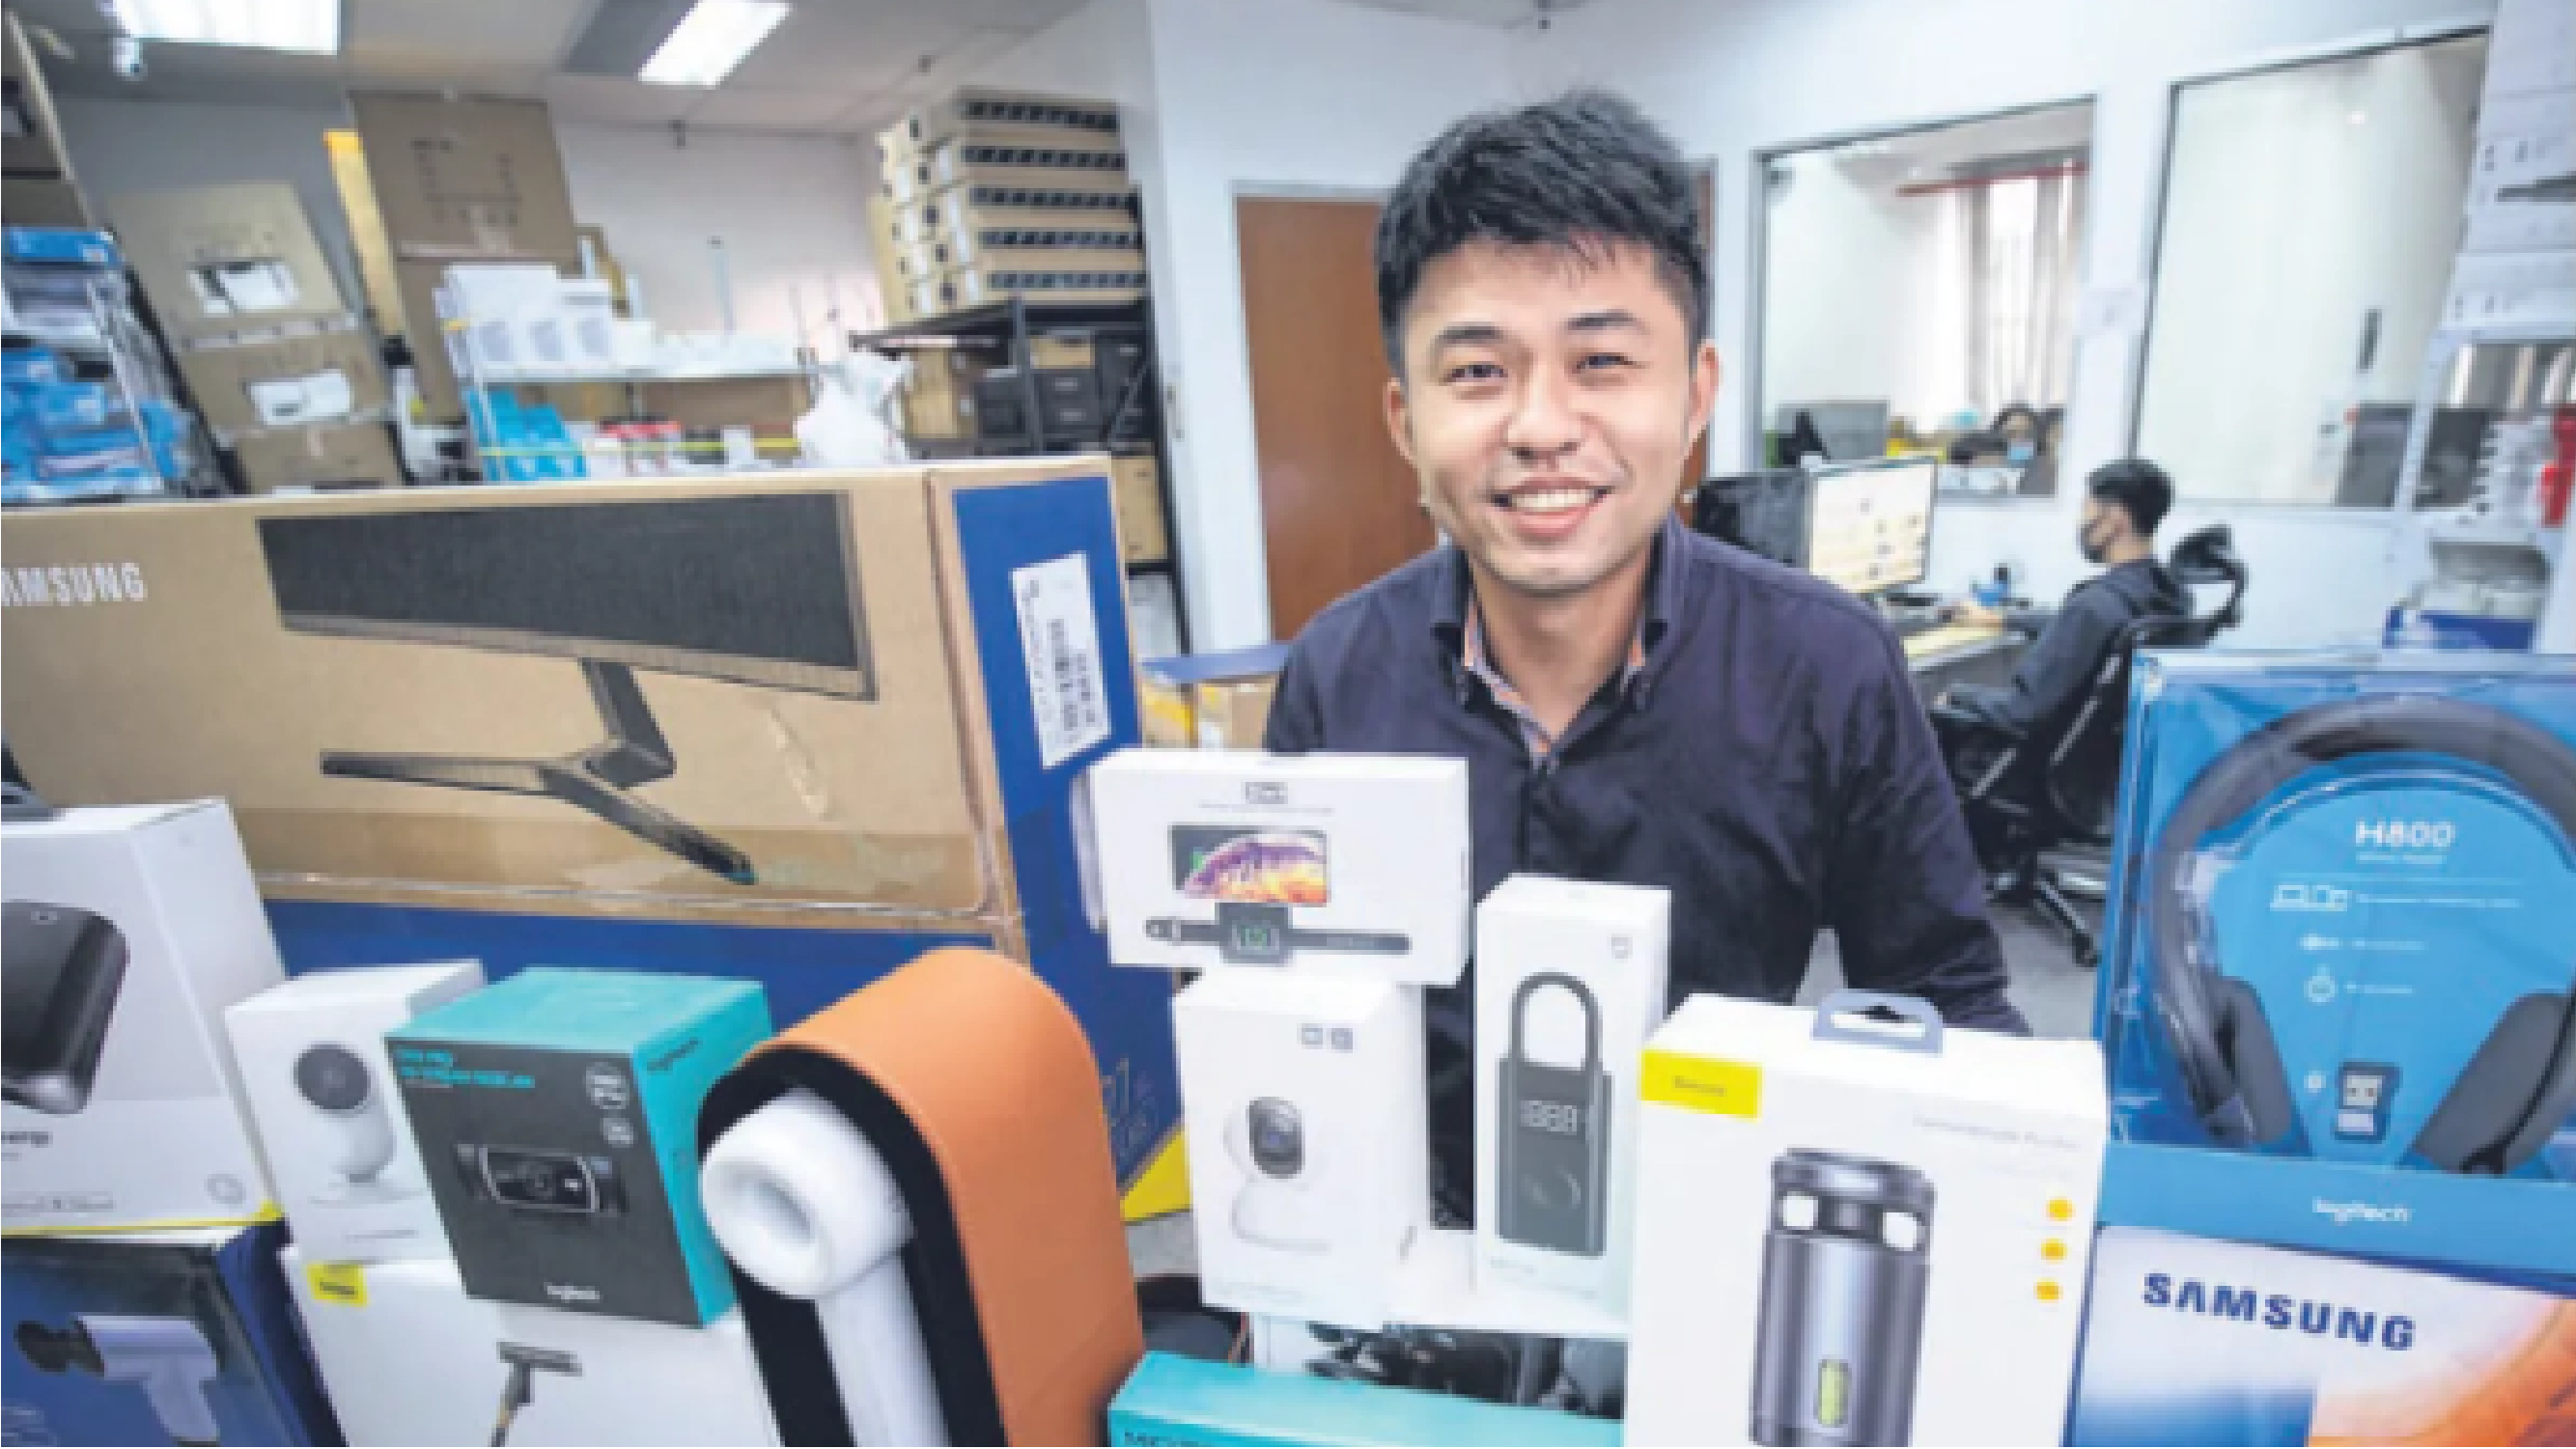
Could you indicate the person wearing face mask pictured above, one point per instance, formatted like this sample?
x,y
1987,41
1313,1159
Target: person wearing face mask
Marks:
x,y
2019,429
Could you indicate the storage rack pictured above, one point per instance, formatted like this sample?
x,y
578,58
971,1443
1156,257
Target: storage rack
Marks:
x,y
1001,331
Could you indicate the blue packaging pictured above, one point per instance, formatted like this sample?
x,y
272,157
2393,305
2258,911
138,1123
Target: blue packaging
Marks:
x,y
27,366
2336,993
1175,1400
61,246
65,405
154,1338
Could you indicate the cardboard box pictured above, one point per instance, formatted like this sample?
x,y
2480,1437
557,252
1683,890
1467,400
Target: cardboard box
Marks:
x,y
1570,981
1038,239
222,260
1176,1400
157,1338
1110,277
1347,864
1304,1095
410,1359
321,377
31,144
1858,1232
466,178
129,931
975,107
326,456
939,396
1217,701
320,1086
1142,531
44,203
1066,160
963,214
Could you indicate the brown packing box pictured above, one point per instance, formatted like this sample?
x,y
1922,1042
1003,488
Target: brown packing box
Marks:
x,y
939,396
44,203
800,648
327,455
33,146
974,107
977,283
222,260
457,180
1209,702
1072,161
1147,539
293,382
1233,713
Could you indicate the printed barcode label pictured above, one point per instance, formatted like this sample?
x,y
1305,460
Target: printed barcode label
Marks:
x,y
1060,644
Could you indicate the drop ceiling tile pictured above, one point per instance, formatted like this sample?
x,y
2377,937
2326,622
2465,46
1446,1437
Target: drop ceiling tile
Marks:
x,y
490,32
603,100
766,110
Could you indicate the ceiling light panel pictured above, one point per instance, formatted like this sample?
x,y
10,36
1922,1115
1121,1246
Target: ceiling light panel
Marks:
x,y
310,27
711,40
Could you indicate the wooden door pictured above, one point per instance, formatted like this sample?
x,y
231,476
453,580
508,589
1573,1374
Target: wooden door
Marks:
x,y
1339,505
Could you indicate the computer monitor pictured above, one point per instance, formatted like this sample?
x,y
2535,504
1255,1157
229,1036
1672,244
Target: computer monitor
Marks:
x,y
753,588
1763,513
1852,431
1869,525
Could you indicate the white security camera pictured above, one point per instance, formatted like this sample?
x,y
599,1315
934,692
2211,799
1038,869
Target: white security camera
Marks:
x,y
168,1358
1275,1205
127,56
334,1081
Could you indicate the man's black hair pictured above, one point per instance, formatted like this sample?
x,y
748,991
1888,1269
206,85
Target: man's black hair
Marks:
x,y
2137,486
1582,173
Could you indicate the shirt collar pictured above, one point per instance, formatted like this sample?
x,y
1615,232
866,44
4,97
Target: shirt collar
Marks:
x,y
1453,609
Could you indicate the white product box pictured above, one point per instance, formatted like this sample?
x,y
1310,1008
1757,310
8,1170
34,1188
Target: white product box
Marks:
x,y
321,1087
1236,858
1569,985
1856,1232
1303,1095
129,930
407,1358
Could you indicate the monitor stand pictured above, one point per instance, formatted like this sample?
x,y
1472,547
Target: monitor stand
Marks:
x,y
600,779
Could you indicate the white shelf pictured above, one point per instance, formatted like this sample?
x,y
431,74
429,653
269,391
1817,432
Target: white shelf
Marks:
x,y
2547,542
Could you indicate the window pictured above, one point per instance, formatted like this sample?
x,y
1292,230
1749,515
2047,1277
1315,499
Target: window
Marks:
x,y
2310,217
1919,295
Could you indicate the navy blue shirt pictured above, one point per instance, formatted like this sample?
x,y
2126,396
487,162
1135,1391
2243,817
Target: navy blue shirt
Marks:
x,y
1768,763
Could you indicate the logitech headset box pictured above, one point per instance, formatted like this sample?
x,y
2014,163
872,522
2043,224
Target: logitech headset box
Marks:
x,y
557,1116
128,932
2337,991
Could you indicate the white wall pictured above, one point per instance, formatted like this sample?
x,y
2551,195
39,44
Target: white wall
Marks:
x,y
1850,305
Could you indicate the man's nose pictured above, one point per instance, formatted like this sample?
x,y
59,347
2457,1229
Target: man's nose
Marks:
x,y
1544,423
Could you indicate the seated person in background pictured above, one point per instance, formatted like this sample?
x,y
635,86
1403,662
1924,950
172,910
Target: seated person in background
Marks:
x,y
2019,429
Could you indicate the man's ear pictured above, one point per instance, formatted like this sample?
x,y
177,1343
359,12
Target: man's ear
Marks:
x,y
1703,390
1399,418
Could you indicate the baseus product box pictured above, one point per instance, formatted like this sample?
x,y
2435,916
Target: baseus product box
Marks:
x,y
128,932
1569,984
1304,1095
166,1337
1234,858
822,720
322,1089
557,1116
2196,1341
1858,1232
2337,994
410,1358
1175,1400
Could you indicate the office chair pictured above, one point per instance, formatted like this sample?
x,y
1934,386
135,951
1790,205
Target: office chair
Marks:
x,y
2068,769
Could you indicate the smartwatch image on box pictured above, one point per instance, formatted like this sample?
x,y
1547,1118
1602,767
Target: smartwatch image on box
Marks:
x,y
1274,1208
1256,878
1845,1268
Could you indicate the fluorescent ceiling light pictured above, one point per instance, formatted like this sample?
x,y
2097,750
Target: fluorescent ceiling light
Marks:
x,y
711,40
308,26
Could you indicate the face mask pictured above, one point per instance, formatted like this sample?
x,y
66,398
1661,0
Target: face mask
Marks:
x,y
2020,452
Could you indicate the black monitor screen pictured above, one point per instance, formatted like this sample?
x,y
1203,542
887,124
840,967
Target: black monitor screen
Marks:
x,y
1764,513
758,588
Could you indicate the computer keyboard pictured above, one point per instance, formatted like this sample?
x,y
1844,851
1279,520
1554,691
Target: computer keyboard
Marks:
x,y
1943,638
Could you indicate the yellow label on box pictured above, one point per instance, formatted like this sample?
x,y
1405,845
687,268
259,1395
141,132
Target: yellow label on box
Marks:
x,y
1699,1084
338,1282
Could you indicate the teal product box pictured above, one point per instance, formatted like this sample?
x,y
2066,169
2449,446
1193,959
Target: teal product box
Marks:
x,y
66,404
557,1117
1175,1400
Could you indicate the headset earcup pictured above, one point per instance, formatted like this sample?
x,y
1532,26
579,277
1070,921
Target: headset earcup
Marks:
x,y
2254,1058
2511,1096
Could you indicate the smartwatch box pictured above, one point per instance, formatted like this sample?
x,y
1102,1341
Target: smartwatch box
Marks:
x,y
1353,863
1302,1095
1570,981
557,1118
129,930
315,1072
410,1358
1858,1231
1176,1400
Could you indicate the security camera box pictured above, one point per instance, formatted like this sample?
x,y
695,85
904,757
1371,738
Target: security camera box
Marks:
x,y
181,1336
1356,864
557,1117
1858,1230
129,931
409,1357
2336,992
1303,1098
2192,1340
321,1087
1569,984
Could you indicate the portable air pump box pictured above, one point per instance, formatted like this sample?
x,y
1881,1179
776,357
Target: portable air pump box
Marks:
x,y
1355,864
1302,1094
340,1148
1852,1230
557,1118
409,1358
2336,994
1570,981
129,931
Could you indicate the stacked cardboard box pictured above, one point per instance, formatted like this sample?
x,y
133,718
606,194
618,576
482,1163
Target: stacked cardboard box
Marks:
x,y
40,189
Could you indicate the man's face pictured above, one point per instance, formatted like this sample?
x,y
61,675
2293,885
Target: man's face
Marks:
x,y
2105,523
1548,404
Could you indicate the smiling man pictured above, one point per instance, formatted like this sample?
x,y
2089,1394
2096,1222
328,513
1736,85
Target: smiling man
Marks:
x,y
1635,703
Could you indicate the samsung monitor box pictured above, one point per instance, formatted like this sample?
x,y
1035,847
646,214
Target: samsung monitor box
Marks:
x,y
557,1116
319,1083
799,727
1856,1231
129,931
410,1358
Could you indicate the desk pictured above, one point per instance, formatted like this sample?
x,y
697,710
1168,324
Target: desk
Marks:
x,y
1937,663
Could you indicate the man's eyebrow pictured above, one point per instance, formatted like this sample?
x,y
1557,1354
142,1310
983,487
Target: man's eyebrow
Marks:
x,y
1614,320
1466,334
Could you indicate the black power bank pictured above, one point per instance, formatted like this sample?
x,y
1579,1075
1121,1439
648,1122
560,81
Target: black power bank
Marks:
x,y
60,969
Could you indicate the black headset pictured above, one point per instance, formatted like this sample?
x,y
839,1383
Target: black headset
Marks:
x,y
2520,1084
